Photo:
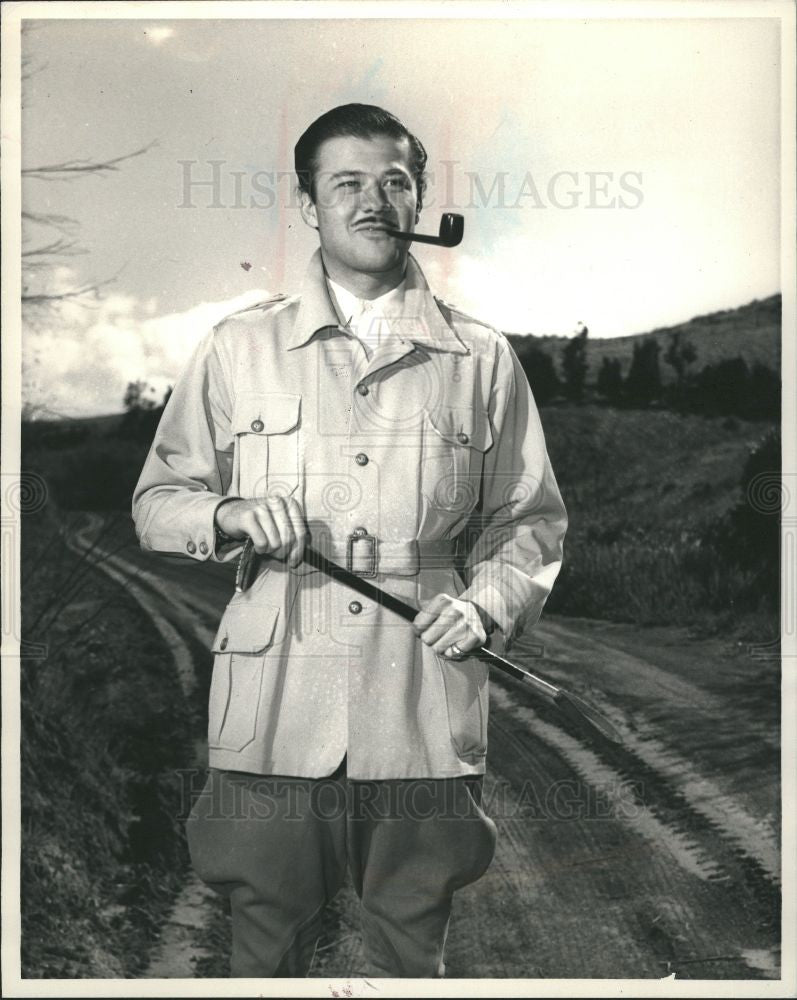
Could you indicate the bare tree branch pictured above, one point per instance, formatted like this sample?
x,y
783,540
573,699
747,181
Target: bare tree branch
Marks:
x,y
59,247
53,221
72,169
70,295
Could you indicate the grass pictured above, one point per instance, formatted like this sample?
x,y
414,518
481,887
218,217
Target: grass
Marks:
x,y
104,733
642,489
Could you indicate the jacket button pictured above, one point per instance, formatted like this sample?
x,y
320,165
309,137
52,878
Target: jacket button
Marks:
x,y
191,547
257,426
203,548
223,643
462,437
359,532
362,389
361,458
355,607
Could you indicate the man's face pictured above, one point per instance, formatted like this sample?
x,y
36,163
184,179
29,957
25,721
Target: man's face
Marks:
x,y
361,187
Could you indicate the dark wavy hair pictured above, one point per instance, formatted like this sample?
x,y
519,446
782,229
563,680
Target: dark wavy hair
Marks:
x,y
363,121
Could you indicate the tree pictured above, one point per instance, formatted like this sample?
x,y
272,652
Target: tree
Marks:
x,y
643,382
610,380
574,365
722,389
748,535
539,367
679,356
541,373
764,393
57,242
49,238
142,412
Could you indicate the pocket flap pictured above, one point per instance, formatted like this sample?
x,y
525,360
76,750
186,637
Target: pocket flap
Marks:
x,y
265,412
462,425
246,628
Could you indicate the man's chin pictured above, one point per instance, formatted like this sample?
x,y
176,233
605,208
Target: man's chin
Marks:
x,y
380,259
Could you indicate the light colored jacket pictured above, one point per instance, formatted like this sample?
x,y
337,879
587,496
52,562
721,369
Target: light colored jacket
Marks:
x,y
438,431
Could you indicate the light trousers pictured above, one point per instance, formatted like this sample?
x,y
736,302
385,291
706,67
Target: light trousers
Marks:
x,y
278,848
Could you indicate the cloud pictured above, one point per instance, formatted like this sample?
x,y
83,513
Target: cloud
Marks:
x,y
159,34
79,361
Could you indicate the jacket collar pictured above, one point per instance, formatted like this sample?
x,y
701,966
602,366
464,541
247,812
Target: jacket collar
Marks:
x,y
423,322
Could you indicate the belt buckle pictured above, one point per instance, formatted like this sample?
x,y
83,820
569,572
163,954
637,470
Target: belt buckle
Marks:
x,y
361,537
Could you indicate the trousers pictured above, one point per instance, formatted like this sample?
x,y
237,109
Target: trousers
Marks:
x,y
279,847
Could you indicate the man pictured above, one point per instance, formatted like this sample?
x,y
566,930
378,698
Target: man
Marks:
x,y
378,422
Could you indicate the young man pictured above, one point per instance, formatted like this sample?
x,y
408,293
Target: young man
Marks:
x,y
374,420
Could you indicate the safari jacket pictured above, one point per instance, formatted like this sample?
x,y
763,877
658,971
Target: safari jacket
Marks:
x,y
392,459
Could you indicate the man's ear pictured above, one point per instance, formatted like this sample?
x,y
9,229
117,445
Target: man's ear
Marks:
x,y
307,208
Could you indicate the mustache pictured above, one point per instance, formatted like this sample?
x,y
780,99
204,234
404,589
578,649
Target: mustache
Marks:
x,y
375,222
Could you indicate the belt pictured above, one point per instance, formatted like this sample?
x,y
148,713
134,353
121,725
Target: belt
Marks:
x,y
369,556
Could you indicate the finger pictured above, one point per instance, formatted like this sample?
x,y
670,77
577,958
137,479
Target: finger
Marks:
x,y
435,632
269,528
449,619
429,612
252,527
465,646
460,636
300,532
284,527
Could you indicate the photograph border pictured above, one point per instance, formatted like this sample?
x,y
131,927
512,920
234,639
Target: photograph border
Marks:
x,y
12,15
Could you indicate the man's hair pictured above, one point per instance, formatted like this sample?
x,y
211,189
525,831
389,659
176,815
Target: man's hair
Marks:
x,y
364,121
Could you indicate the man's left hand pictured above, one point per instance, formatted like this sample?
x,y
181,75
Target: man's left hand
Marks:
x,y
445,622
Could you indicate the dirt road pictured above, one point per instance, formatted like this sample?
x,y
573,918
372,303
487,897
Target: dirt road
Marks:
x,y
657,857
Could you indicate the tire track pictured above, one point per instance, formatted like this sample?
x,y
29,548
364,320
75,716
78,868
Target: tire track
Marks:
x,y
754,837
173,955
125,575
686,852
632,875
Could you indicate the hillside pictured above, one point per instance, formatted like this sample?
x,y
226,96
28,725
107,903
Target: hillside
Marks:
x,y
752,332
656,473
644,490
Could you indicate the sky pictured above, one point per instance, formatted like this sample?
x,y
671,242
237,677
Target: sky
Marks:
x,y
619,173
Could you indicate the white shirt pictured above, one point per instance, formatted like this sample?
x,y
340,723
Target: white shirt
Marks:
x,y
370,319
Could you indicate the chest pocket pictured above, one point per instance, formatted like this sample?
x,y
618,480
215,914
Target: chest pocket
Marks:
x,y
267,438
455,440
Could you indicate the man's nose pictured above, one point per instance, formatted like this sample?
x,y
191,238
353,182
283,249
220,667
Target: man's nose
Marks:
x,y
374,198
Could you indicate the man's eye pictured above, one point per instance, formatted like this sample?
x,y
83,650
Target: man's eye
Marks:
x,y
351,184
399,182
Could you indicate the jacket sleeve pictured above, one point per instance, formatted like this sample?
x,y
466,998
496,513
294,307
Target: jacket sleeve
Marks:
x,y
521,520
188,470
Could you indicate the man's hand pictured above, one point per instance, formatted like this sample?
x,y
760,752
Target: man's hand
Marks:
x,y
445,621
276,526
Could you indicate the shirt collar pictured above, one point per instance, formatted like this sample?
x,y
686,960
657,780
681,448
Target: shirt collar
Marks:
x,y
421,321
384,306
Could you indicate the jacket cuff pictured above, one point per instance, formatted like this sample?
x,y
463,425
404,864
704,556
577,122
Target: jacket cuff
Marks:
x,y
489,597
225,548
189,530
513,599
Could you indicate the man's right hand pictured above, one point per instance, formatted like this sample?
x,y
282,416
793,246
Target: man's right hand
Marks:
x,y
276,526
